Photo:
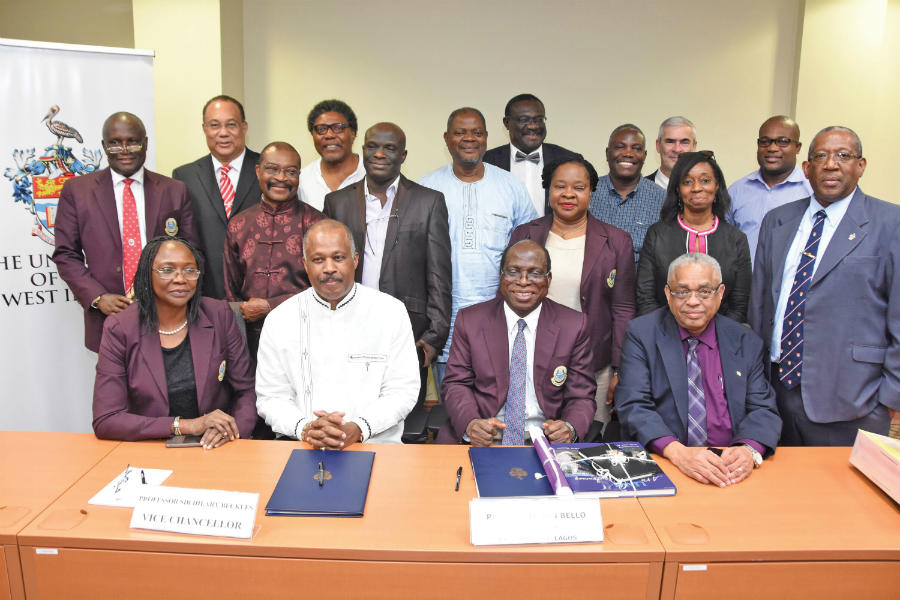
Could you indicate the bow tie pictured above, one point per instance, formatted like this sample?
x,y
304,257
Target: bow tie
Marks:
x,y
534,157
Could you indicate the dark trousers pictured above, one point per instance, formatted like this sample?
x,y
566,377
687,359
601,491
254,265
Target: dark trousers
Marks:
x,y
798,430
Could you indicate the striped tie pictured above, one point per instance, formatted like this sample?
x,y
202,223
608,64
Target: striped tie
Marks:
x,y
696,400
514,434
226,189
792,325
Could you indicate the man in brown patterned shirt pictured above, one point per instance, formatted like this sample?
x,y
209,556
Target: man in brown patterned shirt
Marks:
x,y
264,244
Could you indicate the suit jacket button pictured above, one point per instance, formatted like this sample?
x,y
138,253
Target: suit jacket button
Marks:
x,y
119,269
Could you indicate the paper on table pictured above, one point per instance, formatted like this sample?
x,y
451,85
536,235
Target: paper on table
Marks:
x,y
123,490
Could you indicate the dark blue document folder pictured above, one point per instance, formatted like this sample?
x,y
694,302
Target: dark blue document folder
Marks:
x,y
343,494
508,471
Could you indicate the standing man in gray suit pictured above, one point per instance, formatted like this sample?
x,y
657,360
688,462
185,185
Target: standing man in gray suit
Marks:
x,y
826,298
221,184
402,232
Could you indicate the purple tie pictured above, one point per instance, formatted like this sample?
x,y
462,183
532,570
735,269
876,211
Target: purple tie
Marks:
x,y
792,325
696,403
514,434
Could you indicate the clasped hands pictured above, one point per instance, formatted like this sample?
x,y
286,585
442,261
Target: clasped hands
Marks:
x,y
481,432
216,427
697,462
330,431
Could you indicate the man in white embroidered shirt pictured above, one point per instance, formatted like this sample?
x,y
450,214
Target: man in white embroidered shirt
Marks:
x,y
337,362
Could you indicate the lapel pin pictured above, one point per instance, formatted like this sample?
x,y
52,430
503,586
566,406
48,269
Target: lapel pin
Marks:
x,y
611,280
559,376
222,371
852,237
171,227
738,373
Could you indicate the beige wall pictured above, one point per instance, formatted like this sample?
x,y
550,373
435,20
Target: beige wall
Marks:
x,y
849,75
596,64
90,22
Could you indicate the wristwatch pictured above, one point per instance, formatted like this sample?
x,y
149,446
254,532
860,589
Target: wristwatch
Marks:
x,y
757,457
96,301
175,425
572,431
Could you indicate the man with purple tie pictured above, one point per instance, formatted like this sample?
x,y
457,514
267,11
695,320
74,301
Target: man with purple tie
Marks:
x,y
692,382
519,360
103,220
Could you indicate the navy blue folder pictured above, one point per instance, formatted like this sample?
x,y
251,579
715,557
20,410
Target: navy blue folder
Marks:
x,y
501,471
299,494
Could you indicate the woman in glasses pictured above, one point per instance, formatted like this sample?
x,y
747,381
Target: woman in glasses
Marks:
x,y
692,219
593,267
173,363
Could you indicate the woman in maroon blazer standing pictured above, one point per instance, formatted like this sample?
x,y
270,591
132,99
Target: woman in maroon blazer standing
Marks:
x,y
593,266
173,362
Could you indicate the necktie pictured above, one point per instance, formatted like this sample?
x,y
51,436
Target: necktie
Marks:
x,y
131,235
514,434
534,157
226,189
792,325
696,431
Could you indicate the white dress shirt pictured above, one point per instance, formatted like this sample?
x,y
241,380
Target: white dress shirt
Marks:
x,y
529,173
377,219
834,212
234,173
313,188
359,359
661,179
137,189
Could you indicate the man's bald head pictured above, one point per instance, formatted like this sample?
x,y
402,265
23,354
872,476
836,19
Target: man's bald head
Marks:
x,y
782,120
126,118
384,150
328,227
777,147
279,146
125,143
330,258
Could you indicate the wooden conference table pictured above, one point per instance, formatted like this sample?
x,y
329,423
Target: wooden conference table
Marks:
x,y
806,525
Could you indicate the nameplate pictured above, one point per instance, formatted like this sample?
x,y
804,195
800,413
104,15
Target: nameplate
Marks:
x,y
199,512
551,520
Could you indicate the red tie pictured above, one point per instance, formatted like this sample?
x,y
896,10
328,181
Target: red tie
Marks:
x,y
226,189
131,235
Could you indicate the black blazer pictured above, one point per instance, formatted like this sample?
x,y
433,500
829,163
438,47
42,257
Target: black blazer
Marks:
x,y
209,212
666,241
415,267
499,157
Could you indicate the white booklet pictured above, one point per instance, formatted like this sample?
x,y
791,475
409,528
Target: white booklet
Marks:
x,y
124,489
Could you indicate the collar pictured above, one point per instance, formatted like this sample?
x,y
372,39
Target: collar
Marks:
x,y
235,163
795,176
708,337
118,178
661,179
344,302
280,207
834,212
531,319
391,189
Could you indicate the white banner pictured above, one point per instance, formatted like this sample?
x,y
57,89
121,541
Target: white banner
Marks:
x,y
47,375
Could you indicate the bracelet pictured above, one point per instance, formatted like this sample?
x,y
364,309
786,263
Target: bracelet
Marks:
x,y
303,432
175,425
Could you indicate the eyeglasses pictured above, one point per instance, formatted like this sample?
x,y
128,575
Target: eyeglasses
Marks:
x,y
274,170
189,273
528,120
334,127
781,142
534,276
839,157
230,126
119,149
702,293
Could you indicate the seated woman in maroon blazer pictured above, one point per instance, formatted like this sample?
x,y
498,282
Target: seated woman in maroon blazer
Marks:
x,y
173,362
593,267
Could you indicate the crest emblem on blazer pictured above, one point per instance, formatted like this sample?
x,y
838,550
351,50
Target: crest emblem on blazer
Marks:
x,y
611,280
171,226
222,371
559,375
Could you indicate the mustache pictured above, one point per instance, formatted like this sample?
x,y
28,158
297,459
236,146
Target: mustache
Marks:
x,y
334,278
271,184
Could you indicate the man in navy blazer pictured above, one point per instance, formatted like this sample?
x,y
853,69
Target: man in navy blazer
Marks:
x,y
848,373
527,154
225,127
691,379
477,385
88,252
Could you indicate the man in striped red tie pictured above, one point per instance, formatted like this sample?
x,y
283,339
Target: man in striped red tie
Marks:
x,y
221,184
104,219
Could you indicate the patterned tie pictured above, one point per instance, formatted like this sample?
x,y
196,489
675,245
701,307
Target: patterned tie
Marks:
x,y
534,157
131,235
792,325
696,402
226,189
514,434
